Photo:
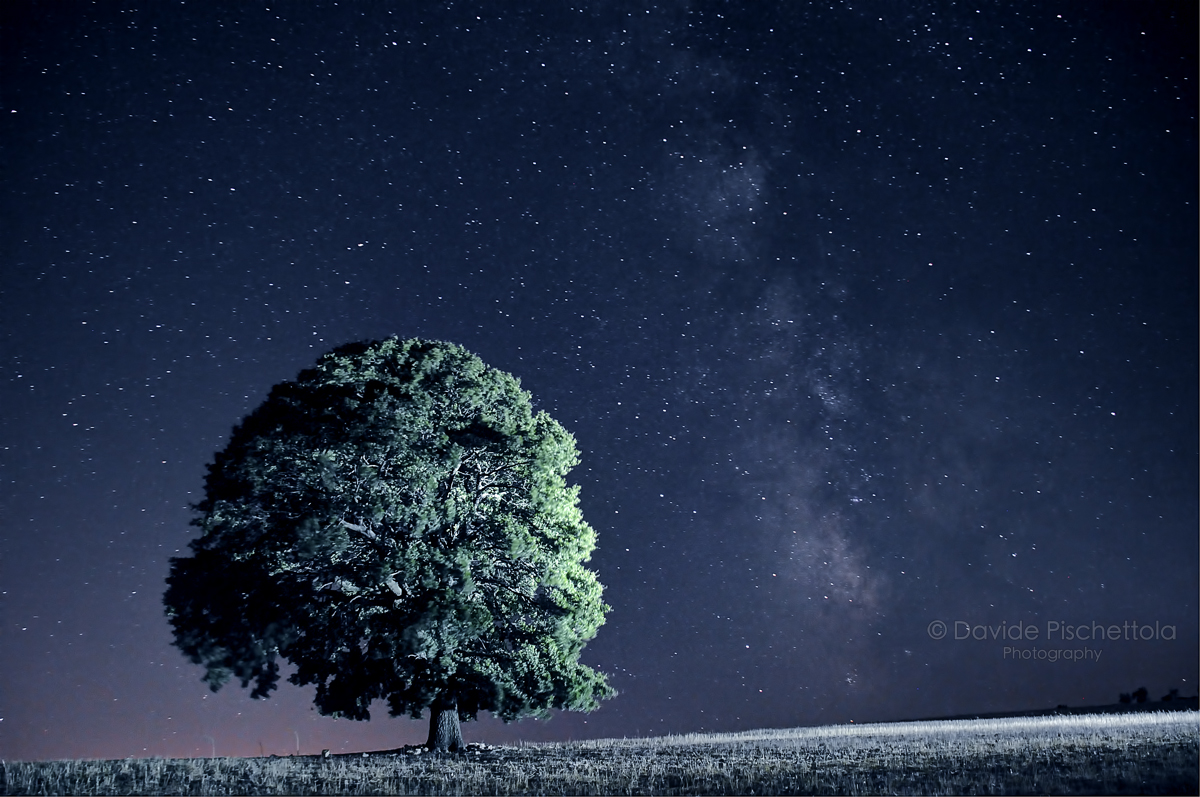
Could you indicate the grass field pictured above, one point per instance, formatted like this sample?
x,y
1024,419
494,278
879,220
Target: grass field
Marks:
x,y
1151,753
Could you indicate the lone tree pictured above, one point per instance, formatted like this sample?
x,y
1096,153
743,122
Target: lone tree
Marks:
x,y
396,524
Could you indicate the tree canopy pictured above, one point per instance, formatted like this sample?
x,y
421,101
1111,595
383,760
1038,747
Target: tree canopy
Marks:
x,y
397,524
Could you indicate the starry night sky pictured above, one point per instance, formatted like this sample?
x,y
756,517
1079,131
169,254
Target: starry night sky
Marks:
x,y
864,315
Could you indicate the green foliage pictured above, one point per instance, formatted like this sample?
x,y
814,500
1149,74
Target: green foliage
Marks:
x,y
397,524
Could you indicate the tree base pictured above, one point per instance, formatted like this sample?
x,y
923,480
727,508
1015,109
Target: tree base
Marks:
x,y
445,732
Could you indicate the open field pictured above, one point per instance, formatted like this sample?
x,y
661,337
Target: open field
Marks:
x,y
1142,753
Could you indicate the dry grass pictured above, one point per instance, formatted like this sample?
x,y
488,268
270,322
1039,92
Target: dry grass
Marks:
x,y
1155,753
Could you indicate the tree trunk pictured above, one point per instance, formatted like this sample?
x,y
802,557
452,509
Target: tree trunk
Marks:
x,y
445,733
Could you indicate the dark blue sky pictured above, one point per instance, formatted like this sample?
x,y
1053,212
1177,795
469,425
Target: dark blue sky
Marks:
x,y
864,316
